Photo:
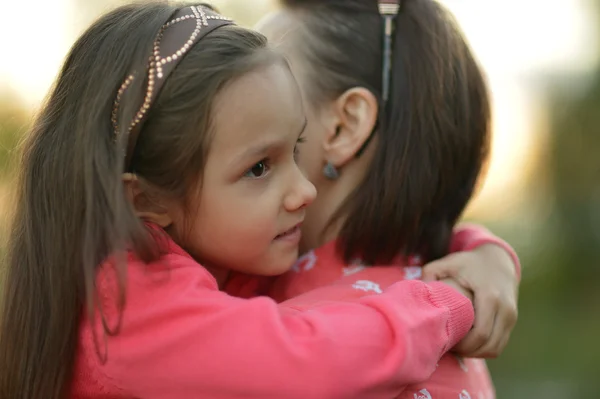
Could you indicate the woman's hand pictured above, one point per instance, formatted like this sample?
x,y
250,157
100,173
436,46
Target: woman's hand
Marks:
x,y
454,284
489,272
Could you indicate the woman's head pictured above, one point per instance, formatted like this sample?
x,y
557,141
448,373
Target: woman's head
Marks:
x,y
213,163
408,166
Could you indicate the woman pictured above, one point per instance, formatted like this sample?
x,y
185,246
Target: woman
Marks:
x,y
395,156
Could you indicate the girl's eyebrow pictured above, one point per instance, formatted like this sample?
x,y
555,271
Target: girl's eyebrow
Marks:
x,y
264,147
259,150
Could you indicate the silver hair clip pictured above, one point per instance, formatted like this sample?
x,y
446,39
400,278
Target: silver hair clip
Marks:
x,y
389,10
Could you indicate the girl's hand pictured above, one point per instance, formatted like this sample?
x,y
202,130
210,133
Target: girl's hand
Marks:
x,y
489,272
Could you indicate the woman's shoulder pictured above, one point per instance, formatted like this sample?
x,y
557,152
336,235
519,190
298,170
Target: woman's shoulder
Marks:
x,y
172,268
454,378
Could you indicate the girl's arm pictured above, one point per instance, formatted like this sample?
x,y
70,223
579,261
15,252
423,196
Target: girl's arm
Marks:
x,y
182,338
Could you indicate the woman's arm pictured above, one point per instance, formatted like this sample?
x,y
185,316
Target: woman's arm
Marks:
x,y
490,268
468,237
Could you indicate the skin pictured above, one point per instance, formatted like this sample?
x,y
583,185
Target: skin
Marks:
x,y
336,130
253,196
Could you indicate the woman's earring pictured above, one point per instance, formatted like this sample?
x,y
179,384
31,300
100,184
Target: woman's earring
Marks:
x,y
331,171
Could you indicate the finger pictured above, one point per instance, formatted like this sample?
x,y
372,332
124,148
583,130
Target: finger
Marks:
x,y
496,344
486,308
457,286
504,323
504,343
446,267
493,346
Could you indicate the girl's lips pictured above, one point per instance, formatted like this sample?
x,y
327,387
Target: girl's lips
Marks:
x,y
291,235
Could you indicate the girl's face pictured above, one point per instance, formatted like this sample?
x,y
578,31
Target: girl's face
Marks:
x,y
253,196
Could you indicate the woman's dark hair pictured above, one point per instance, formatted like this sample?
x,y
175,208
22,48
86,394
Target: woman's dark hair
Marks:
x,y
433,132
71,210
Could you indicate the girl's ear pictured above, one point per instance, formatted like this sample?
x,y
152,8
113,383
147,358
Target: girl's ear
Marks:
x,y
147,206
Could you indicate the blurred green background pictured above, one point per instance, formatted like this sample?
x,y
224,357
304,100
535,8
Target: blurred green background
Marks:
x,y
542,192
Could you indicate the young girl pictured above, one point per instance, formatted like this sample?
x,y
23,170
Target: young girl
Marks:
x,y
170,139
396,139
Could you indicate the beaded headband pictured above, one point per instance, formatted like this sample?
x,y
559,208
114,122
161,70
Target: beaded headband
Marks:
x,y
185,28
389,10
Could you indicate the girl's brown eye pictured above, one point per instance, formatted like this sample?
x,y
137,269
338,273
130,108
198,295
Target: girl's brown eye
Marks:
x,y
258,170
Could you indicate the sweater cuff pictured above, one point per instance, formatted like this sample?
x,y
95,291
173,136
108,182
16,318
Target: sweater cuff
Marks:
x,y
461,314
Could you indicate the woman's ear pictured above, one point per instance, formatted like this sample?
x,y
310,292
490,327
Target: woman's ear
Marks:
x,y
355,112
147,206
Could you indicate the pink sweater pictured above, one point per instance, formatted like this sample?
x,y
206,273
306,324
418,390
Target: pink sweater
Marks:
x,y
180,337
454,377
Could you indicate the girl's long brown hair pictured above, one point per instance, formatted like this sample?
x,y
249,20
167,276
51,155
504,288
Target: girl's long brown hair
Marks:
x,y
71,211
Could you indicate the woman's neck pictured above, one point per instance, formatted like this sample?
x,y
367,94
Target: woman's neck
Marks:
x,y
318,227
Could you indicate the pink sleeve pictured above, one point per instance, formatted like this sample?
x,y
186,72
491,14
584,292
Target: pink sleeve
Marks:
x,y
182,338
467,237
